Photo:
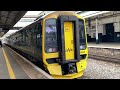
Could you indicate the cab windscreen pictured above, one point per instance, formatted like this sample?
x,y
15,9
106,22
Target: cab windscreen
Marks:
x,y
82,35
50,36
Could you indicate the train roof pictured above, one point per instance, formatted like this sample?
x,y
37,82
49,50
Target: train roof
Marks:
x,y
57,13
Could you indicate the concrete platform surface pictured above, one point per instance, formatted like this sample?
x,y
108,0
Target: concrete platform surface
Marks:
x,y
9,68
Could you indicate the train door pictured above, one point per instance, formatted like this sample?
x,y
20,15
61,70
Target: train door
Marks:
x,y
109,32
69,43
69,40
68,35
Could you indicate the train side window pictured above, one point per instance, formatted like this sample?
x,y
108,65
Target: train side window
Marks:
x,y
28,37
39,36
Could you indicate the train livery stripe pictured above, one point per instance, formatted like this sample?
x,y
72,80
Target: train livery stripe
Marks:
x,y
11,73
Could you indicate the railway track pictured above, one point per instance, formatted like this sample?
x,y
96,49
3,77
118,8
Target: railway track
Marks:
x,y
104,58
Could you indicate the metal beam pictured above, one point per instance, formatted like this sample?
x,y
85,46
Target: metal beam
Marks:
x,y
7,17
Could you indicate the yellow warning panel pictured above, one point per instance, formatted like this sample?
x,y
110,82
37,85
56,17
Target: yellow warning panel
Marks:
x,y
69,43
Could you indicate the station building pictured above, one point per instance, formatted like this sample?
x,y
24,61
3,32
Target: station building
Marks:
x,y
104,27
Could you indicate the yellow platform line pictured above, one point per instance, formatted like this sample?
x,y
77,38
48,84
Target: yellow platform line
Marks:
x,y
11,73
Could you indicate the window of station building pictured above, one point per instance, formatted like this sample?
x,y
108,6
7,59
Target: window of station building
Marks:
x,y
93,27
94,35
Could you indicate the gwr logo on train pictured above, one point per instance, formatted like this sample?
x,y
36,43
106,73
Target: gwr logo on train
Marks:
x,y
68,50
67,29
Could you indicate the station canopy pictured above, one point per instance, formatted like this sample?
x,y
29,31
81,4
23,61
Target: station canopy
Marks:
x,y
8,19
30,16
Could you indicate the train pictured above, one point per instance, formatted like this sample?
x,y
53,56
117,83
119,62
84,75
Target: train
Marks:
x,y
57,42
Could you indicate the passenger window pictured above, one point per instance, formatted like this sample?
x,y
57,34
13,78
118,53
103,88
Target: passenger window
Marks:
x,y
39,34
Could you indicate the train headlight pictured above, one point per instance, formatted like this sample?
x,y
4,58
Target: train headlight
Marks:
x,y
82,47
50,50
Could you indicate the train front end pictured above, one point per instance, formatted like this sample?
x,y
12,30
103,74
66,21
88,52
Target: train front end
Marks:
x,y
64,45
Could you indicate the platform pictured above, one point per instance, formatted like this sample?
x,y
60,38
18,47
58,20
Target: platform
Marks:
x,y
9,68
15,66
